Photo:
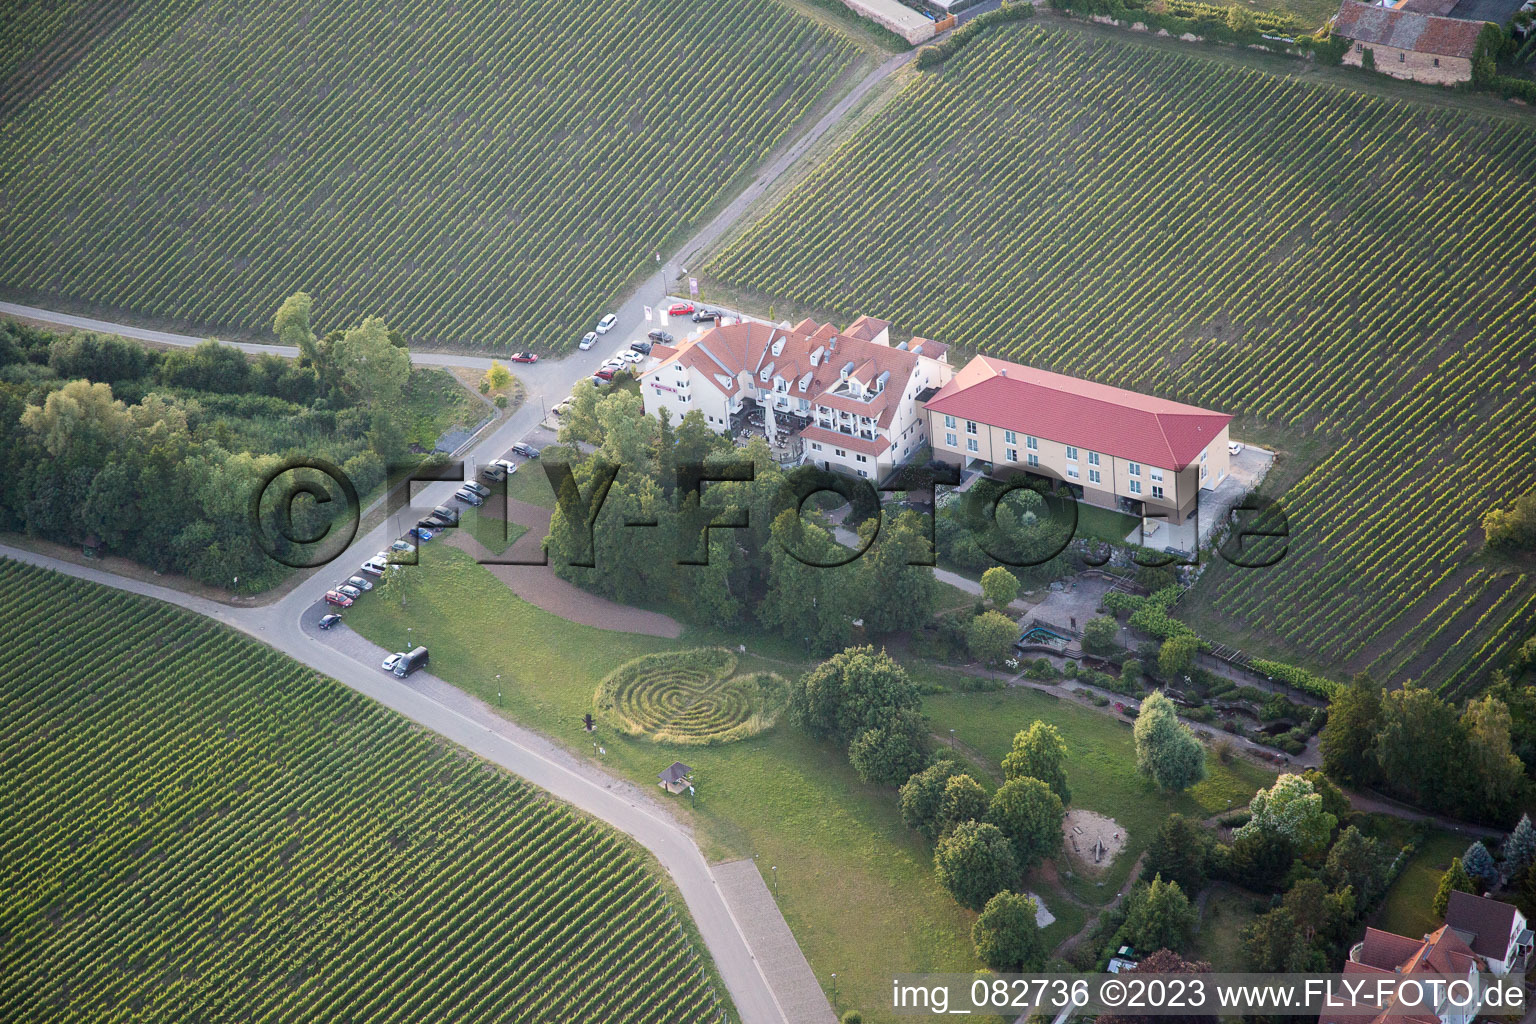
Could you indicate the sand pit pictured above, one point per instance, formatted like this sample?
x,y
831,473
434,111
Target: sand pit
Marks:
x,y
1092,840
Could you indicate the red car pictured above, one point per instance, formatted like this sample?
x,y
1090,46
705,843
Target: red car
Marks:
x,y
606,373
338,599
680,309
524,357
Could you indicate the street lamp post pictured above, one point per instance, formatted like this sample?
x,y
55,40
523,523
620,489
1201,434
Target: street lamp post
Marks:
x,y
775,870
834,990
498,689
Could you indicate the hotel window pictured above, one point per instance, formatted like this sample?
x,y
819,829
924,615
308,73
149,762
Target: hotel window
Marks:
x,y
1437,62
949,421
1071,453
950,440
1133,468
1135,486
840,453
970,445
1157,490
1011,454
1009,437
1401,57
1093,476
1072,472
1032,443
1034,460
1157,475
815,446
970,426
1093,458
860,458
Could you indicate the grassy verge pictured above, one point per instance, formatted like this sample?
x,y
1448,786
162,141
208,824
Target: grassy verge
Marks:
x,y
1100,769
1219,942
1406,908
435,401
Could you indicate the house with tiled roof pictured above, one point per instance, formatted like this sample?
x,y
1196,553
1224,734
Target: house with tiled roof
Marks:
x,y
1114,448
845,400
1481,936
1410,39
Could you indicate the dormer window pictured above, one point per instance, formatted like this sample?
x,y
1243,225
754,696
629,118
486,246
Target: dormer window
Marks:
x,y
778,347
766,372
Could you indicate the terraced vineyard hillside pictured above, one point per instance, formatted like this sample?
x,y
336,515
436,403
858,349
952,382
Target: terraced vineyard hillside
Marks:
x,y
1332,267
197,827
484,173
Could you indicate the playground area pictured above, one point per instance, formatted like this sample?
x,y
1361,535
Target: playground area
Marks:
x,y
1093,840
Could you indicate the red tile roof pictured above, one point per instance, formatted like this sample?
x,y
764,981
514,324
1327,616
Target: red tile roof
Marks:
x,y
856,444
1407,30
1069,410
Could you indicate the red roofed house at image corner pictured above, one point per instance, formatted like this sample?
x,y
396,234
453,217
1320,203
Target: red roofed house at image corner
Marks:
x,y
1121,449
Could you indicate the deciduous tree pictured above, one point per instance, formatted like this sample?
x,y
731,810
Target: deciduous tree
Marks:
x,y
990,637
999,586
922,798
1167,751
1293,809
1029,814
1006,935
1039,752
1159,916
974,863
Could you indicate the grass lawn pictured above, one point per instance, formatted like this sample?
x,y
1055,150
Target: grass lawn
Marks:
x,y
1406,908
495,533
855,884
1104,523
529,484
435,402
1100,768
1219,941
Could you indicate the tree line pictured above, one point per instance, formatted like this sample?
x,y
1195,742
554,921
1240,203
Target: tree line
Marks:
x,y
156,454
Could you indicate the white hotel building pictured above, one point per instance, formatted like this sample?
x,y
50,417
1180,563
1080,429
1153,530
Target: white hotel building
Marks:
x,y
843,400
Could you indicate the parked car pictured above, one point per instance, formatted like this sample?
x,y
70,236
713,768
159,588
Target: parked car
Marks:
x,y
643,347
410,661
660,336
607,323
507,465
680,309
605,374
375,566
391,660
527,451
402,545
492,472
338,599
702,315
477,488
447,512
524,357
421,535
587,340
564,407
434,522
327,621
468,497
632,357
359,583
349,590
1234,447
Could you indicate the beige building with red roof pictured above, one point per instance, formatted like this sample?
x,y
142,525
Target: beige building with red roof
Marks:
x,y
1480,935
1410,39
1117,449
843,400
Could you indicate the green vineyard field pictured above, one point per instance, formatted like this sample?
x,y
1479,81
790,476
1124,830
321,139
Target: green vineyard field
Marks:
x,y
482,174
1350,275
200,828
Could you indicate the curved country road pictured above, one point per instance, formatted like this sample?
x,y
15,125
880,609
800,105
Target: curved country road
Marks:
x,y
452,713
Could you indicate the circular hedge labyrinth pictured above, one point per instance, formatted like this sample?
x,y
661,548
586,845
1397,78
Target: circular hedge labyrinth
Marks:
x,y
690,697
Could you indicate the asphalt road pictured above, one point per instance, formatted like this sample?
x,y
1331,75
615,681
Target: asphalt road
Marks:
x,y
447,710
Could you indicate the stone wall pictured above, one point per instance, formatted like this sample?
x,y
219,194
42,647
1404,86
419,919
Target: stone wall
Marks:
x,y
897,17
1412,65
